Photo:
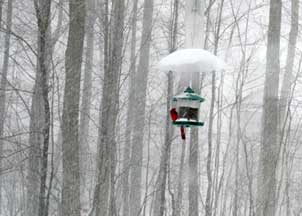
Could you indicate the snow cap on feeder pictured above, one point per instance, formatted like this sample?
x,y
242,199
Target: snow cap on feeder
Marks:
x,y
186,109
191,61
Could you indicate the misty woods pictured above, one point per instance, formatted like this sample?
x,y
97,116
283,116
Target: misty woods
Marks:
x,y
85,108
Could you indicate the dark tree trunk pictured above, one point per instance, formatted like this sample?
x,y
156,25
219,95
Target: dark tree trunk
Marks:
x,y
43,15
70,126
269,152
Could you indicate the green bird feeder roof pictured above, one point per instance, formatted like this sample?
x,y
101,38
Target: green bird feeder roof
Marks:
x,y
189,94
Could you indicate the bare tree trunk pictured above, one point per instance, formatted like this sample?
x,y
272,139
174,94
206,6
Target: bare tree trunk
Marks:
x,y
145,202
40,114
269,152
100,202
105,189
178,203
179,197
193,160
130,114
3,83
208,207
284,103
160,198
159,207
139,118
194,39
43,15
35,142
236,210
288,77
70,126
208,204
1,12
86,102
39,121
194,23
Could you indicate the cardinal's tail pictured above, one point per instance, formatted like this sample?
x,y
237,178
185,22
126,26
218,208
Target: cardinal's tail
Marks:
x,y
182,133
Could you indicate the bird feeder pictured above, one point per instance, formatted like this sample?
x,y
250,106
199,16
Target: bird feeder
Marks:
x,y
185,112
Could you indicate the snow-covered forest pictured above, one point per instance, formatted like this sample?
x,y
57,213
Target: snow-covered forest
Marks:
x,y
85,127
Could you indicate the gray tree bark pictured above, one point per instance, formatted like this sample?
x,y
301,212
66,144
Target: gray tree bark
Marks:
x,y
285,100
100,200
193,160
1,8
38,119
43,19
139,118
70,125
269,152
130,113
179,197
3,83
160,197
209,198
178,203
86,100
105,189
194,39
208,205
291,51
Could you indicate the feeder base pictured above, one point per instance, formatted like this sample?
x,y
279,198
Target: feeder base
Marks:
x,y
188,123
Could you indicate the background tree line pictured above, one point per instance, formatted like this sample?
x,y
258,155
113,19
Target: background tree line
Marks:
x,y
84,125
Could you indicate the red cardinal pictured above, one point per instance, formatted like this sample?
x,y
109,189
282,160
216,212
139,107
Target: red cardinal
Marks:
x,y
173,114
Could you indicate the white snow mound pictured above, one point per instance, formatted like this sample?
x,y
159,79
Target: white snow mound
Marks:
x,y
191,60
